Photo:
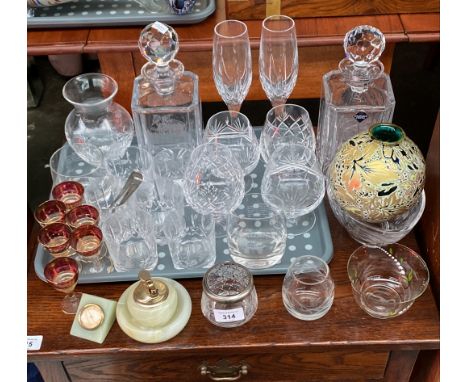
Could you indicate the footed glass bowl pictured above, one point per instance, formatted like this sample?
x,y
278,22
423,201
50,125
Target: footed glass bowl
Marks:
x,y
378,234
386,281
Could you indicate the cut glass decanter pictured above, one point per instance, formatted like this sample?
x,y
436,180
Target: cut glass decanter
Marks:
x,y
357,95
165,103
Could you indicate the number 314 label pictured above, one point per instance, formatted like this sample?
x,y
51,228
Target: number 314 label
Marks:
x,y
228,315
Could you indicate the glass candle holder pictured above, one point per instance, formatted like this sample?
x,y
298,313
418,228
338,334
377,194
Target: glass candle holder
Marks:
x,y
51,211
82,215
308,289
56,238
229,297
70,193
62,273
87,242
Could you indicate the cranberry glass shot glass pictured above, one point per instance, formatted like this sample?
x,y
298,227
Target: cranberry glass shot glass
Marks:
x,y
62,273
87,242
51,211
71,193
56,238
82,215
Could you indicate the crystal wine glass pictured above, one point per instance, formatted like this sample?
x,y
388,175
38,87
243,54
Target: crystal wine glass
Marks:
x,y
293,175
278,60
214,182
62,273
286,124
234,130
232,62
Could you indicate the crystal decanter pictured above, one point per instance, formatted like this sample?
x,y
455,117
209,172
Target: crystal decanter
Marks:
x,y
165,103
357,95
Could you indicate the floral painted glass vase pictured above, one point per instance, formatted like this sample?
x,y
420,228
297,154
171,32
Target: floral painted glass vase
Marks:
x,y
378,175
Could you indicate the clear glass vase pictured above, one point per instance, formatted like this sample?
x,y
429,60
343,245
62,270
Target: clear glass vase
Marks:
x,y
356,95
96,119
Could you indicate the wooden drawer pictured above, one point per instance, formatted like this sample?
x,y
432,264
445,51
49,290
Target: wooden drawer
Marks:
x,y
292,366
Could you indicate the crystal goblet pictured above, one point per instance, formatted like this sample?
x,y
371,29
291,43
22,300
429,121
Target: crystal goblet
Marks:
x,y
234,130
286,124
51,211
214,182
62,273
294,177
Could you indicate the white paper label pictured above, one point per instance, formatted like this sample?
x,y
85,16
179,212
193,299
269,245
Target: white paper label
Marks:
x,y
228,315
34,342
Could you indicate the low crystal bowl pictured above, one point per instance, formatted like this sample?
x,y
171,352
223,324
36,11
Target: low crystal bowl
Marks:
x,y
378,234
386,281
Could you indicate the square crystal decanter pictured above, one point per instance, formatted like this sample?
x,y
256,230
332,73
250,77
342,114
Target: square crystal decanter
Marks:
x,y
165,103
356,95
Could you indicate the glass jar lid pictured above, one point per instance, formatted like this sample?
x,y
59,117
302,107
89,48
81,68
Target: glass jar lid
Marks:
x,y
227,282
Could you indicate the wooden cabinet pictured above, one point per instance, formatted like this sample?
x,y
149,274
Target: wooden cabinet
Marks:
x,y
345,345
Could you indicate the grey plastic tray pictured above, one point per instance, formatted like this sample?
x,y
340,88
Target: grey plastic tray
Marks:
x,y
113,13
317,241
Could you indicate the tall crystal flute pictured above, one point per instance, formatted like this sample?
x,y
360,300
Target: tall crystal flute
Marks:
x,y
278,60
232,62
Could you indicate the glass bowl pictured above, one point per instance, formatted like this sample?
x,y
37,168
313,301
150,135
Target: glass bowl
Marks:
x,y
378,234
386,281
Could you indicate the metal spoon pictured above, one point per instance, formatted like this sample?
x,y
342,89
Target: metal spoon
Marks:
x,y
133,182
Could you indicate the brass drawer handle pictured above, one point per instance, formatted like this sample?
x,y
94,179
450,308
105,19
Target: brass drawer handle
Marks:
x,y
223,371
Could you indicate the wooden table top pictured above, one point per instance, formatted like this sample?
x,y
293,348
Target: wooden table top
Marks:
x,y
310,32
345,326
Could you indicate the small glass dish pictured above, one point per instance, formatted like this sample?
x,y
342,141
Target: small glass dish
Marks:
x,y
229,298
55,238
51,211
82,215
69,192
378,234
386,281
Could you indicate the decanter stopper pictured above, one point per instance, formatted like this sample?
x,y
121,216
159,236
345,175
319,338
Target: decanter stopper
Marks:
x,y
364,45
159,44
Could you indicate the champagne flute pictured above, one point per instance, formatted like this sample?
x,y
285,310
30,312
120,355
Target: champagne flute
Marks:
x,y
232,62
278,60
62,273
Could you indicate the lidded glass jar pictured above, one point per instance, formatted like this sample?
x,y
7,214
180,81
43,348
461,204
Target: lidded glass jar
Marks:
x,y
356,95
165,103
229,298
